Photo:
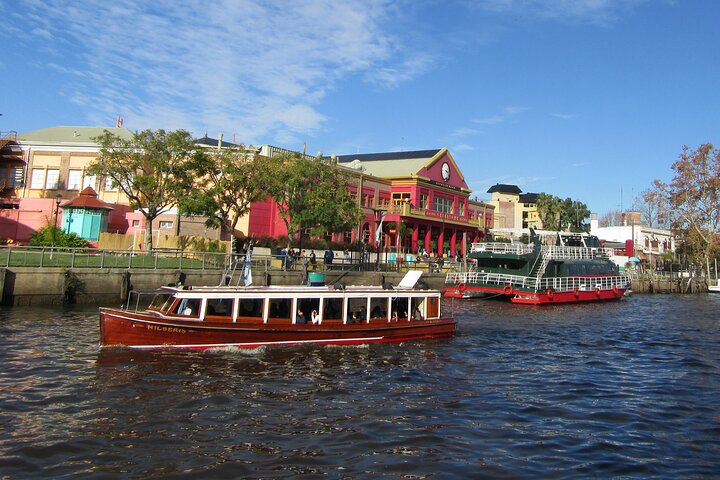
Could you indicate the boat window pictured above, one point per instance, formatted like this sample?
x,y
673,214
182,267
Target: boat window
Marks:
x,y
221,307
399,306
378,308
417,308
357,310
189,307
333,309
307,305
250,307
280,308
162,302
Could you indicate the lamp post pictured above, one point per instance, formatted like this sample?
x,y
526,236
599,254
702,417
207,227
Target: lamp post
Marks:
x,y
58,199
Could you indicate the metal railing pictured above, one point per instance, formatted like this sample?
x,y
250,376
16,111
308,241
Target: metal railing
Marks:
x,y
605,282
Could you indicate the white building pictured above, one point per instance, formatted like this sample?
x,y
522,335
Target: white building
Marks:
x,y
632,239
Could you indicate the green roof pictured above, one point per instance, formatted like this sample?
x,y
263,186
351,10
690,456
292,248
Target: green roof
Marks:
x,y
71,134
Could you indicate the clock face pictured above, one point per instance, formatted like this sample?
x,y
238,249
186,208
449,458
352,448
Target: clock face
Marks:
x,y
446,171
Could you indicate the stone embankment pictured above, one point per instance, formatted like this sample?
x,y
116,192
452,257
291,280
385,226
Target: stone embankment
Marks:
x,y
102,286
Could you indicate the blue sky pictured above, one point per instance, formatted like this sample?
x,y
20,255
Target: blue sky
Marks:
x,y
588,99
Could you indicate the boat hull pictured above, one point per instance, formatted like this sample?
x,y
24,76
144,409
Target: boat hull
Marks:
x,y
142,330
529,297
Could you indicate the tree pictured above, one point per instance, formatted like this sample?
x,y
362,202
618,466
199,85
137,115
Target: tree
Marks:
x,y
652,209
228,181
692,196
549,211
556,214
610,219
152,169
311,195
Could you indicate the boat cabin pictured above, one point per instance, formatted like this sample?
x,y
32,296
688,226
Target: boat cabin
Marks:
x,y
300,305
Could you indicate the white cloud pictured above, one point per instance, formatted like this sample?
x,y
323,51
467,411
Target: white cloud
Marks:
x,y
259,67
505,115
564,116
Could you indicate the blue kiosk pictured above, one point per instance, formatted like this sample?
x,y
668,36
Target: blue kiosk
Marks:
x,y
85,215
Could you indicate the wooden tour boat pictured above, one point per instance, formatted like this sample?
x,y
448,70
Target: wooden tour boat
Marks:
x,y
573,269
254,316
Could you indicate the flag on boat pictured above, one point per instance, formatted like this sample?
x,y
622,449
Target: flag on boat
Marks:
x,y
246,275
379,230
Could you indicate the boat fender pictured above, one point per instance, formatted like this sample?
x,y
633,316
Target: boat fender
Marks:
x,y
616,292
508,290
597,291
550,293
462,287
576,292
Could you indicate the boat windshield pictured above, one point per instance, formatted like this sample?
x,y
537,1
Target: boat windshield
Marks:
x,y
161,302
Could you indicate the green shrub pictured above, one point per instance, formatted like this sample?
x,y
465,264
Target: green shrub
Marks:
x,y
52,236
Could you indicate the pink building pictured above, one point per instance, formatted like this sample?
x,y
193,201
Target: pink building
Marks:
x,y
422,190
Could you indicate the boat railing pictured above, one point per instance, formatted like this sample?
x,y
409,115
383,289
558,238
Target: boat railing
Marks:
x,y
563,284
520,281
606,282
503,248
554,252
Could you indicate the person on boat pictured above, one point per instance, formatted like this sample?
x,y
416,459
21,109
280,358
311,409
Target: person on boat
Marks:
x,y
313,260
328,257
395,316
315,317
300,318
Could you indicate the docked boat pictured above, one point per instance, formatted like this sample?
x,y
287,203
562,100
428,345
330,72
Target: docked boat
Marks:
x,y
557,268
254,316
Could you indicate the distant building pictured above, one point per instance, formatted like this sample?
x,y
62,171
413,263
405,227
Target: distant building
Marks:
x,y
513,209
633,239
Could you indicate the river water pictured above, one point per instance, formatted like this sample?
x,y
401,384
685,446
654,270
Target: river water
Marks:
x,y
627,389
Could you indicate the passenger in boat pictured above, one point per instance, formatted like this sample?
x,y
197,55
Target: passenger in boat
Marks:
x,y
395,317
416,314
315,317
300,318
313,260
376,312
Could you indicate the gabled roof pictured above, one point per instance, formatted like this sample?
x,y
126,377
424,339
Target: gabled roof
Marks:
x,y
391,164
69,134
87,199
504,188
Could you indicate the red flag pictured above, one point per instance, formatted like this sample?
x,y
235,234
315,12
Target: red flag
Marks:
x,y
119,122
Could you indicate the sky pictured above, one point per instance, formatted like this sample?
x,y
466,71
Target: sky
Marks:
x,y
587,99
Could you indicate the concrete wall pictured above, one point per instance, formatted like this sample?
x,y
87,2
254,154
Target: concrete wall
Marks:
x,y
95,286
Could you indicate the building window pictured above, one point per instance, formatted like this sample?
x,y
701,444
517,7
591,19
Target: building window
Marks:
x,y
136,223
89,181
52,181
461,209
400,198
37,181
424,200
443,205
74,179
166,224
110,185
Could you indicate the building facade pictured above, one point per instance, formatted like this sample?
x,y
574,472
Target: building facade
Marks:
x,y
415,201
514,209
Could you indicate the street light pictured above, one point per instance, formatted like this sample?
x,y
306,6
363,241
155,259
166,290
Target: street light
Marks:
x,y
58,199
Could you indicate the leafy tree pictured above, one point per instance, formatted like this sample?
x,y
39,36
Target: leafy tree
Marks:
x,y
692,196
311,194
549,211
557,214
51,235
152,169
228,181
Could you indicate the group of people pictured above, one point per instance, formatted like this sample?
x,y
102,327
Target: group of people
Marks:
x,y
314,317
